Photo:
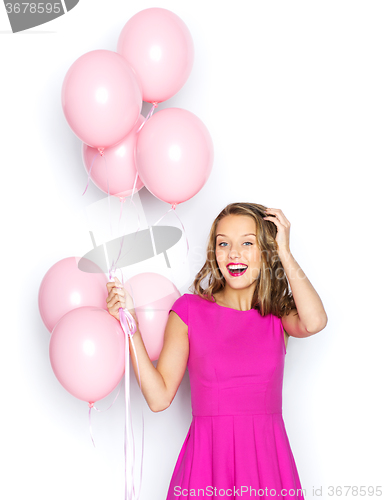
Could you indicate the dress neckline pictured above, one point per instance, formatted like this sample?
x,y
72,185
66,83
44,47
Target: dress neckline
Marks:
x,y
231,308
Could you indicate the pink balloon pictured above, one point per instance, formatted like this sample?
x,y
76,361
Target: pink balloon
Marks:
x,y
174,155
64,287
159,46
101,98
153,296
87,351
119,165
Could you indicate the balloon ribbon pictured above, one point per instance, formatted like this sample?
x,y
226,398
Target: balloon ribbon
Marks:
x,y
128,325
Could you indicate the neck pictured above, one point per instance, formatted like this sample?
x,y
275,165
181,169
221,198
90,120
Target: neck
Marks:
x,y
238,299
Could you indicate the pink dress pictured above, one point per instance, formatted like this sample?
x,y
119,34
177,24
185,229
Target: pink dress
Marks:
x,y
237,443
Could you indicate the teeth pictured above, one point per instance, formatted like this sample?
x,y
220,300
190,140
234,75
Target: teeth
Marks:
x,y
237,266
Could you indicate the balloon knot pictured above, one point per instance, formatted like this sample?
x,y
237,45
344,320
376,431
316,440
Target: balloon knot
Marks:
x,y
155,104
90,405
101,151
174,206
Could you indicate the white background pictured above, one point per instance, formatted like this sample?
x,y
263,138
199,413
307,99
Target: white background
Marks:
x,y
292,94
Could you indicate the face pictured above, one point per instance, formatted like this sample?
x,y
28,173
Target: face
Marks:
x,y
236,244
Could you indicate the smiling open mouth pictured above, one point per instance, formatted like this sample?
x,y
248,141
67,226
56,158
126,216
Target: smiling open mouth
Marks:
x,y
237,271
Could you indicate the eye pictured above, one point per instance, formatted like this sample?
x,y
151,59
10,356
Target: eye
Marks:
x,y
226,243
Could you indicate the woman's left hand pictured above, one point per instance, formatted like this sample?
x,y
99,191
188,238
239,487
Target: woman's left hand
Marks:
x,y
283,226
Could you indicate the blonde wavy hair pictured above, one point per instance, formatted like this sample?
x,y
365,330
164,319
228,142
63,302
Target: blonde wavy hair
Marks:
x,y
272,294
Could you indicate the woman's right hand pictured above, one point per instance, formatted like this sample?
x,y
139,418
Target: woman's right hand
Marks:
x,y
119,297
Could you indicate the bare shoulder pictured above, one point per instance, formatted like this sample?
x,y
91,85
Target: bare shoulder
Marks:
x,y
175,325
176,341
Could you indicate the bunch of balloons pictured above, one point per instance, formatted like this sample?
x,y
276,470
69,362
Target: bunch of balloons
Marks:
x,y
170,152
102,94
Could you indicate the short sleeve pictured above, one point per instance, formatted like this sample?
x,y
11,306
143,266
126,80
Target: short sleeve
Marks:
x,y
181,308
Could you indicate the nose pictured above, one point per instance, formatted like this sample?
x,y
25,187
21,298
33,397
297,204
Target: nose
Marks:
x,y
234,253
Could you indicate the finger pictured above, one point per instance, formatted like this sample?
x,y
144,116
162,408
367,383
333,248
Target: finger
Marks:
x,y
278,214
116,293
120,295
111,295
272,211
115,308
275,220
280,218
115,312
113,286
118,282
112,292
112,301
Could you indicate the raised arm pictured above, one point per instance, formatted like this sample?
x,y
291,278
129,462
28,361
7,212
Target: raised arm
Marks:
x,y
158,384
310,316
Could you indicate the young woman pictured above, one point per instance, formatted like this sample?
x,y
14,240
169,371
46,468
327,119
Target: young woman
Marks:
x,y
231,333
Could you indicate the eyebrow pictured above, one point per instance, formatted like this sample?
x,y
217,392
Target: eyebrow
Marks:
x,y
248,234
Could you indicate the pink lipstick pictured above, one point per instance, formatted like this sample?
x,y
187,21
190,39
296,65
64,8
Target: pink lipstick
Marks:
x,y
236,269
